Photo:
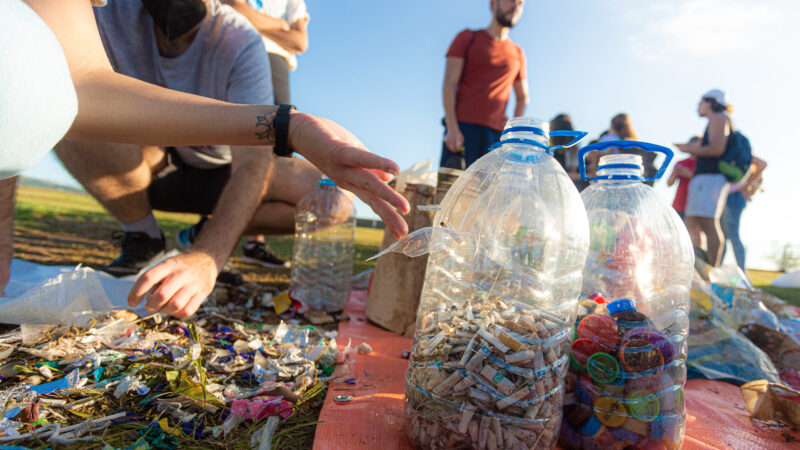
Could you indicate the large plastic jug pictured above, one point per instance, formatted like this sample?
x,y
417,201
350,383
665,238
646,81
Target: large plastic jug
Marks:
x,y
628,357
491,347
322,263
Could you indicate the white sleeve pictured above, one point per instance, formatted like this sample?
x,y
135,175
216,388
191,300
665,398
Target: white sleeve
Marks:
x,y
296,10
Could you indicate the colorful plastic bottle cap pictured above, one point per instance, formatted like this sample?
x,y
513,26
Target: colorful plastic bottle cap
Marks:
x,y
592,428
575,365
583,348
601,329
603,368
636,426
657,429
623,435
599,299
618,306
609,411
643,406
340,399
660,340
638,355
630,319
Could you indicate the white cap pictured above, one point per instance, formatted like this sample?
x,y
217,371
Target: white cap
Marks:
x,y
718,95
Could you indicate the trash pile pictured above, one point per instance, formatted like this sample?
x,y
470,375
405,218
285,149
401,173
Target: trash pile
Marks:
x,y
740,333
153,382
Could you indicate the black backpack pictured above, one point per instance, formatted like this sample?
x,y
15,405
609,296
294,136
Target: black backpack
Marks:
x,y
737,158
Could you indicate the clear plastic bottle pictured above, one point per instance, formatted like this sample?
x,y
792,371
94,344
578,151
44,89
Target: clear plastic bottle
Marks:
x,y
491,347
322,263
628,357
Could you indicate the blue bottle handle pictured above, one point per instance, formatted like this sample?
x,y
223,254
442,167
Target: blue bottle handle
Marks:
x,y
624,144
576,135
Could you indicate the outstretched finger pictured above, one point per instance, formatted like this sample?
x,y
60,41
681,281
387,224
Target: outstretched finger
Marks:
x,y
394,222
191,306
178,300
356,157
370,183
148,281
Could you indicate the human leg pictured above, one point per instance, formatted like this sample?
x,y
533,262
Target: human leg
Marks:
x,y
118,175
731,218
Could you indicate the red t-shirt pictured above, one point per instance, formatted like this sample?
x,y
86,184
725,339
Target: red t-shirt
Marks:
x,y
490,70
683,185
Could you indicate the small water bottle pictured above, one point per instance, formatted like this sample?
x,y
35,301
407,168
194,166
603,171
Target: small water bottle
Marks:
x,y
628,355
322,263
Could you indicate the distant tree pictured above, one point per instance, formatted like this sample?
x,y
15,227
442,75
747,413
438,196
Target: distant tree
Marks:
x,y
787,258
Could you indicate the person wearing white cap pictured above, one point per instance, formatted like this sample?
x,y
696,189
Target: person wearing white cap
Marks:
x,y
708,189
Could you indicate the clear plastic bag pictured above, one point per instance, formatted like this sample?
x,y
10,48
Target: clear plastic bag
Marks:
x,y
493,327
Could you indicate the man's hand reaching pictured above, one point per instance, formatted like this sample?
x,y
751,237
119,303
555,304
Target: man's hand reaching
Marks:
x,y
343,158
177,286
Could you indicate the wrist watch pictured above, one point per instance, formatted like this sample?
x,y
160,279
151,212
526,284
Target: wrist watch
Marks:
x,y
281,127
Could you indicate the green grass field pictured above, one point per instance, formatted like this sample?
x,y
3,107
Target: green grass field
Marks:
x,y
55,227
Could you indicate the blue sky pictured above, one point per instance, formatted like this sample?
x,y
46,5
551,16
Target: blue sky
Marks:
x,y
376,67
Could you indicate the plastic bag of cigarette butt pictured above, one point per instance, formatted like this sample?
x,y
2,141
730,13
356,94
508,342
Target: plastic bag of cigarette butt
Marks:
x,y
495,318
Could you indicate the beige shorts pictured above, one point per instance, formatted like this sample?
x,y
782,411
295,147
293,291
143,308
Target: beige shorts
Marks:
x,y
707,195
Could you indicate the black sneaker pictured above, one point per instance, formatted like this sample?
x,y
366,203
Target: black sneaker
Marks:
x,y
255,252
138,251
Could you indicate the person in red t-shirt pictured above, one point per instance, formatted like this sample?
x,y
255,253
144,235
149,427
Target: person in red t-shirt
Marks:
x,y
482,67
683,173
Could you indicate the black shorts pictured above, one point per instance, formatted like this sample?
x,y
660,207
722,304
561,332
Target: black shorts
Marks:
x,y
183,188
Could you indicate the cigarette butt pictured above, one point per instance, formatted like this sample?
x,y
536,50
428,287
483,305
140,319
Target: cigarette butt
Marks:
x,y
509,340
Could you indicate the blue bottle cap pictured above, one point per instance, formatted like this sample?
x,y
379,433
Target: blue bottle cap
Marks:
x,y
618,306
325,181
657,429
592,427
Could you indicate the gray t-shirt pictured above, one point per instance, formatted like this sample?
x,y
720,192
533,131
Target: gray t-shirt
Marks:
x,y
226,61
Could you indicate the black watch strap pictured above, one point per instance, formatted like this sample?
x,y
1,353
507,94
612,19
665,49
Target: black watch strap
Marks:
x,y
282,130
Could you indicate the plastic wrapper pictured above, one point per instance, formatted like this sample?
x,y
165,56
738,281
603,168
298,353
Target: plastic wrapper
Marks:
x,y
493,327
628,355
718,351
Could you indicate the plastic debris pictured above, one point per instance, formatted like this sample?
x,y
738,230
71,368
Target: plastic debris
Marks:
x,y
177,381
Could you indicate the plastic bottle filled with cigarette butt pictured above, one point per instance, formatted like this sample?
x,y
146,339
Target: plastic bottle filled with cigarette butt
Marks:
x,y
494,324
628,356
322,262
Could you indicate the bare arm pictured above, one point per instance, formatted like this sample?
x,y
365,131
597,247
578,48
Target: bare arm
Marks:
x,y
452,75
293,38
522,96
719,130
116,108
7,188
751,178
180,284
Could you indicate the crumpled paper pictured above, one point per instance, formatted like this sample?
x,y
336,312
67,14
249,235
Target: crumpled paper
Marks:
x,y
769,401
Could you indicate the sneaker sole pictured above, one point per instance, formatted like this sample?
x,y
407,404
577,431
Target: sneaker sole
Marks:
x,y
247,259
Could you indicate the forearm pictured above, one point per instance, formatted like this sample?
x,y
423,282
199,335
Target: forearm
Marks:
x,y
293,41
519,107
261,22
449,102
117,108
234,209
706,151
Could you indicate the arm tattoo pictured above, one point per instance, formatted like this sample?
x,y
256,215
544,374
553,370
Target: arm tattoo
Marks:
x,y
265,129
